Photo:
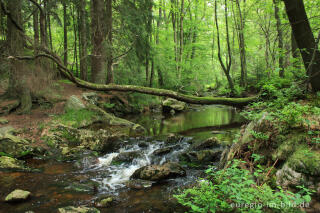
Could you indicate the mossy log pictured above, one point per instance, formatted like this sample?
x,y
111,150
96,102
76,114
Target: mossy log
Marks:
x,y
237,102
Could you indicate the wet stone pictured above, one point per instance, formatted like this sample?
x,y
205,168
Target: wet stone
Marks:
x,y
17,196
139,184
80,209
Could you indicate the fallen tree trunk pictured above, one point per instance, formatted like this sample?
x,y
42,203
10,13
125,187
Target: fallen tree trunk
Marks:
x,y
237,102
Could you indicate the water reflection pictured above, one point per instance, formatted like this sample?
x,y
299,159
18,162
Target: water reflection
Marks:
x,y
203,118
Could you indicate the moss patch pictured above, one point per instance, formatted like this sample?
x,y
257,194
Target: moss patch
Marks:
x,y
306,161
77,118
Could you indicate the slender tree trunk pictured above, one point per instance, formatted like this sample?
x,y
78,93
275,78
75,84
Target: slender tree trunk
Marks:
x,y
49,30
65,34
147,68
174,22
151,74
75,61
110,74
242,47
195,29
159,23
98,39
280,38
181,38
225,67
306,42
295,51
83,41
36,30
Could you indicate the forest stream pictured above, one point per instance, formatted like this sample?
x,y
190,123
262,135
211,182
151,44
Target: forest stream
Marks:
x,y
82,182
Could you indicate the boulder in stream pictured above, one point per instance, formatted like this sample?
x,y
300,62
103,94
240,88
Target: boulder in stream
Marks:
x,y
210,143
10,163
203,156
159,172
173,104
126,157
139,184
80,209
17,195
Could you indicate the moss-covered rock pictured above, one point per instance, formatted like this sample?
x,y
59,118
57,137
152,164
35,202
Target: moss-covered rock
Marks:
x,y
126,157
15,146
288,177
159,172
172,104
105,202
7,130
17,196
10,163
287,145
139,184
74,103
210,143
80,209
202,156
305,161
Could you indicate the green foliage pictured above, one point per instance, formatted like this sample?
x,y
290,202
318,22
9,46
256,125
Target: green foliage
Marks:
x,y
234,190
259,135
108,105
5,154
293,114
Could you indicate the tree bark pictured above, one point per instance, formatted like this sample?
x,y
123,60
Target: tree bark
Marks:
x,y
242,47
305,40
174,27
159,23
225,67
98,39
280,38
18,79
110,74
181,38
65,34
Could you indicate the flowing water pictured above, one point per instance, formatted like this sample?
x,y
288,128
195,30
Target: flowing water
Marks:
x,y
62,184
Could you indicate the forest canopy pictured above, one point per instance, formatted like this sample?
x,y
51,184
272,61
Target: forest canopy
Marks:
x,y
192,47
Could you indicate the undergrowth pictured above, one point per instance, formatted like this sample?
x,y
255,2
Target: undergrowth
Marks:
x,y
235,190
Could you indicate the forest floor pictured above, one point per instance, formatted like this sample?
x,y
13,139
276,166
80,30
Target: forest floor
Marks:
x,y
39,115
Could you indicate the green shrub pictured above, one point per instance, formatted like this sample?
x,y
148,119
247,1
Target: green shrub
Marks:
x,y
234,190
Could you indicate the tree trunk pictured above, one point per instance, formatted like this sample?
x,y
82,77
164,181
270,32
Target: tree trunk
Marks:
x,y
174,27
305,40
65,34
225,67
159,22
181,38
110,74
36,30
18,78
242,47
151,74
98,39
280,38
75,59
295,52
